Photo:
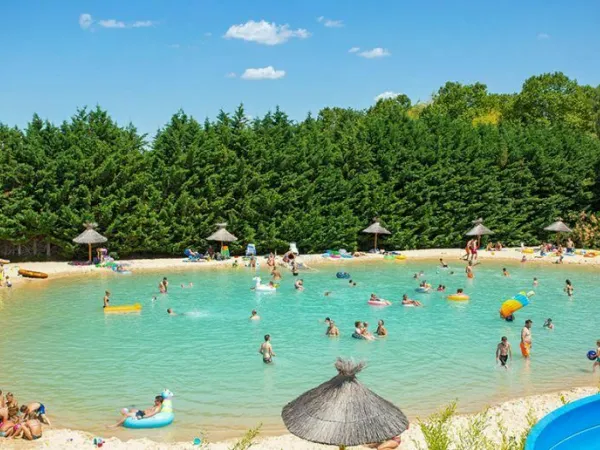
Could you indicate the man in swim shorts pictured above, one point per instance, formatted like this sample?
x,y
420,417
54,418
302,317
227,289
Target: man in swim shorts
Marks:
x,y
526,338
266,350
35,411
503,351
139,414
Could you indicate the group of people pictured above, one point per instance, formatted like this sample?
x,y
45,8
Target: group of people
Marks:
x,y
24,422
4,277
361,330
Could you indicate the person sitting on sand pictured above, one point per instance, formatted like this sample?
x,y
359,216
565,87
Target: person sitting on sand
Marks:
x,y
30,430
254,315
275,274
443,265
139,414
332,330
548,324
559,260
163,286
7,281
381,330
503,352
498,246
505,272
569,288
489,247
35,410
386,445
106,299
171,312
266,350
407,301
235,264
7,427
299,285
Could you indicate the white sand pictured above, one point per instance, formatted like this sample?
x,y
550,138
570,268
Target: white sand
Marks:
x,y
451,256
512,415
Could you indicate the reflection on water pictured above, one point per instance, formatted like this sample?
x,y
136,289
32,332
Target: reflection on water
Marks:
x,y
57,346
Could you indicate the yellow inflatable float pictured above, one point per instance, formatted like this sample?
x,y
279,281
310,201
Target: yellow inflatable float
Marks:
x,y
400,257
137,307
527,250
458,297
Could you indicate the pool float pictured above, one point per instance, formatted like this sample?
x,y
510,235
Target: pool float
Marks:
x,y
400,257
514,304
380,302
162,419
424,289
527,250
458,297
344,275
32,274
589,255
389,257
258,287
121,272
137,307
357,336
570,427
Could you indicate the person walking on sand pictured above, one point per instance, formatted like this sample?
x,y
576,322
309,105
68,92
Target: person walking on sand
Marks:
x,y
266,350
503,352
569,288
467,257
526,339
106,299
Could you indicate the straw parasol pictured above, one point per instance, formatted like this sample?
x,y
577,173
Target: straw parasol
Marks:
x,y
90,237
222,235
376,229
558,227
343,412
478,230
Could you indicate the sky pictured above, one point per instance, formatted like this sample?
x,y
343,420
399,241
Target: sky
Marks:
x,y
143,61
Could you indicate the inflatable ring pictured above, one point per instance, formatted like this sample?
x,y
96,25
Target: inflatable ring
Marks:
x,y
458,297
379,302
400,257
527,250
343,275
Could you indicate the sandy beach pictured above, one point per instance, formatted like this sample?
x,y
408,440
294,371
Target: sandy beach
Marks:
x,y
512,415
451,256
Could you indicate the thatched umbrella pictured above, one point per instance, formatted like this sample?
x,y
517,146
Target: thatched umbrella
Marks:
x,y
376,229
558,227
90,237
343,412
222,235
478,230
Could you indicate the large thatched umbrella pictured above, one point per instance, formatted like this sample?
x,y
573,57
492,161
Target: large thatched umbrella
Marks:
x,y
343,412
558,227
478,230
222,235
376,229
90,237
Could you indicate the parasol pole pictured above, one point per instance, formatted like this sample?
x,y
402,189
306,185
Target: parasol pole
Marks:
x,y
90,252
375,247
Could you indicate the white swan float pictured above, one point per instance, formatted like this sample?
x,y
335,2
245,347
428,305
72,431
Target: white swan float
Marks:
x,y
262,287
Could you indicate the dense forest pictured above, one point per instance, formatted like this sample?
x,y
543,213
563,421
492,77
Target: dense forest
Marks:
x,y
426,170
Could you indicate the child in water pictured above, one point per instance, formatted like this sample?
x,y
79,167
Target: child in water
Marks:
x,y
503,352
505,272
548,324
535,282
569,288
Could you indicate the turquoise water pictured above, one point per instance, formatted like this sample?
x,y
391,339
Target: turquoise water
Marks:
x,y
58,347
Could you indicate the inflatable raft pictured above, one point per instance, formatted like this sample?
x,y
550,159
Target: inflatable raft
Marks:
x,y
32,274
137,307
162,419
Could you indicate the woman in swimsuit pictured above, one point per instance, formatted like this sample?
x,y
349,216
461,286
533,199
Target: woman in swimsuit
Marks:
x,y
266,350
381,331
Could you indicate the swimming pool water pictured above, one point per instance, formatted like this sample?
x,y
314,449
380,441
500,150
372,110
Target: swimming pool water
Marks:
x,y
57,346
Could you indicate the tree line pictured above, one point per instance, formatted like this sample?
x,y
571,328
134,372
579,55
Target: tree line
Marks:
x,y
426,170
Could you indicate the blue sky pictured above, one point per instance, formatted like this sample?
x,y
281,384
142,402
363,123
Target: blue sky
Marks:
x,y
144,60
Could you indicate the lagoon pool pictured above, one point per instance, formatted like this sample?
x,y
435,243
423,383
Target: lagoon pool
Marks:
x,y
57,346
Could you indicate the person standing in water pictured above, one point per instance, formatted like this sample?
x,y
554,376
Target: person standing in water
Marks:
x,y
526,339
106,299
266,350
381,330
469,270
503,351
505,272
332,330
163,286
569,288
254,315
535,282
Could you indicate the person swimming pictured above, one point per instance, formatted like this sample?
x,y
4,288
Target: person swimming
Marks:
x,y
351,283
505,272
535,282
171,312
443,265
569,288
266,350
254,315
299,285
407,301
548,324
381,330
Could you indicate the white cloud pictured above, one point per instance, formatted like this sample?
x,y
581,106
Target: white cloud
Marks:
x,y
265,73
330,23
354,50
85,21
387,94
264,32
230,75
143,24
543,36
111,23
377,52
320,18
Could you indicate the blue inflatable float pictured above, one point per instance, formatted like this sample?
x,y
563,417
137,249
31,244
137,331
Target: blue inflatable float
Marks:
x,y
344,275
162,419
